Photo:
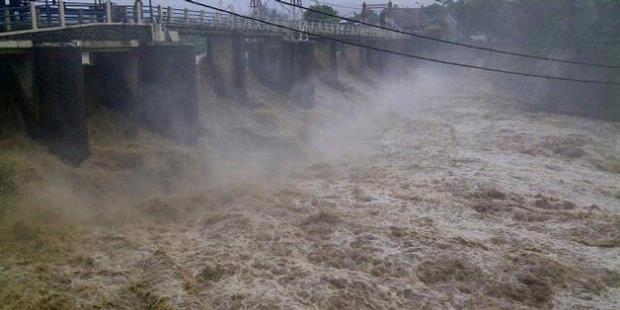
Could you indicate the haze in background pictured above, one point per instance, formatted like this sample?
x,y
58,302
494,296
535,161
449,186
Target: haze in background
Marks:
x,y
244,5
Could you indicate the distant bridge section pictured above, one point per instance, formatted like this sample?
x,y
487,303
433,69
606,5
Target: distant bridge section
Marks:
x,y
40,17
58,60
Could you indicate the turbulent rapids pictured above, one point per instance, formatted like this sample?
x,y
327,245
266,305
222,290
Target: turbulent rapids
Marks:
x,y
431,192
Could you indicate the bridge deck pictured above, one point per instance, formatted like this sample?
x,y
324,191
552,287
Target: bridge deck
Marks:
x,y
28,21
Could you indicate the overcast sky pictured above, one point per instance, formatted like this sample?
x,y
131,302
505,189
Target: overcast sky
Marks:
x,y
242,6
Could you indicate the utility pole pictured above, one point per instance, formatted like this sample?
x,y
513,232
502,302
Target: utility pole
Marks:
x,y
364,12
256,7
388,15
151,11
295,2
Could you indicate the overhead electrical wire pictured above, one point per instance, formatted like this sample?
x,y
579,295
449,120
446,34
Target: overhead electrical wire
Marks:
x,y
446,62
471,46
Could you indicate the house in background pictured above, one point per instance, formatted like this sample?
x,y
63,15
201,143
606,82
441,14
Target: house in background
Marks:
x,y
434,20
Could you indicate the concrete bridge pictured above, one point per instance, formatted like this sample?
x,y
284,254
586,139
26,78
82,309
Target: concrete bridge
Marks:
x,y
55,60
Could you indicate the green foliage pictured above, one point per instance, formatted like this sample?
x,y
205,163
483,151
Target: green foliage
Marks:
x,y
372,17
317,17
582,29
559,23
272,13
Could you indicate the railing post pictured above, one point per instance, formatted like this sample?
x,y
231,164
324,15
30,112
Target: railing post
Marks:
x,y
202,17
34,16
79,11
185,16
169,13
7,20
61,13
108,12
159,14
138,12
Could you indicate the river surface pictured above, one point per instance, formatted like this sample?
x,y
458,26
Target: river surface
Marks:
x,y
425,194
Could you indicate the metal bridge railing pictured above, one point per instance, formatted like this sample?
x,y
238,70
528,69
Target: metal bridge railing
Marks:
x,y
40,15
15,18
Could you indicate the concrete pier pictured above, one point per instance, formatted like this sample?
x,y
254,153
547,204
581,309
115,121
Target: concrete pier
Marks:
x,y
114,80
376,60
15,97
263,60
354,59
399,65
287,67
326,62
59,84
226,65
326,56
169,99
297,71
153,85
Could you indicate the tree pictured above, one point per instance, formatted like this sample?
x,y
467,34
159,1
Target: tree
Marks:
x,y
372,17
275,14
271,13
587,30
318,17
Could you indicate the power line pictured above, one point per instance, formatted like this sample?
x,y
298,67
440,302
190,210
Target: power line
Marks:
x,y
446,62
482,48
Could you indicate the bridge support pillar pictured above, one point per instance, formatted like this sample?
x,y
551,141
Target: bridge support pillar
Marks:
x,y
264,61
326,60
325,54
168,91
399,64
354,59
297,71
226,65
376,60
113,80
18,108
59,82
286,67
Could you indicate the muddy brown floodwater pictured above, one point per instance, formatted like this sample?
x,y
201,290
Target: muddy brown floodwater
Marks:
x,y
419,196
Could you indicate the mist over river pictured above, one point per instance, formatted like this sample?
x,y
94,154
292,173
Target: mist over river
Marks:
x,y
431,191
